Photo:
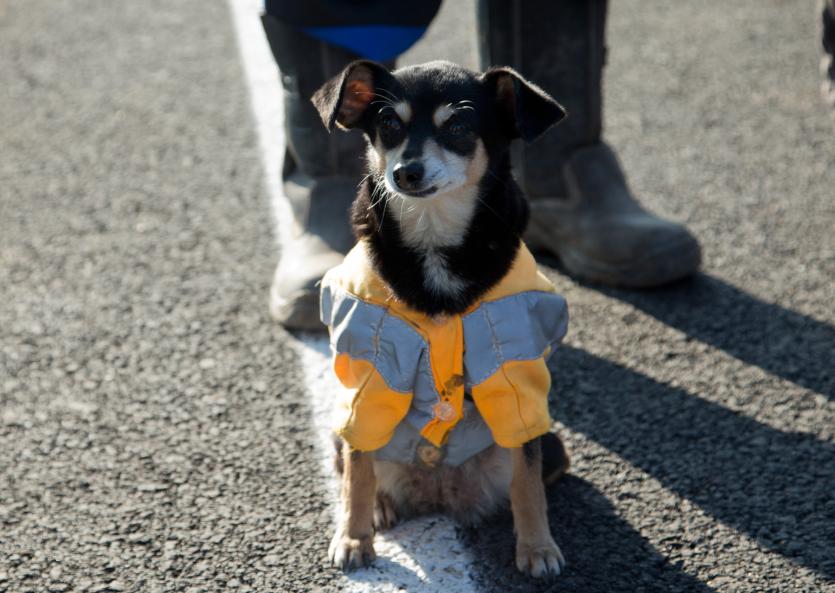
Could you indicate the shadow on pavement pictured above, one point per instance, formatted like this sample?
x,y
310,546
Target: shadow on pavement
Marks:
x,y
604,553
777,487
791,345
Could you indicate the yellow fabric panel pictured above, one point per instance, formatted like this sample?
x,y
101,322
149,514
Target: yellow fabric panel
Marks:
x,y
372,410
446,353
523,275
514,401
356,275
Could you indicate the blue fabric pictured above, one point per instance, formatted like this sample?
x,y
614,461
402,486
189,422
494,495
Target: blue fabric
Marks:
x,y
518,327
367,332
425,395
375,42
469,437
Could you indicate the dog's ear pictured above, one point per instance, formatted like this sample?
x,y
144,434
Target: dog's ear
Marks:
x,y
526,110
343,99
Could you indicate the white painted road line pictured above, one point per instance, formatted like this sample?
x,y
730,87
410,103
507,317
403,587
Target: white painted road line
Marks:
x,y
418,556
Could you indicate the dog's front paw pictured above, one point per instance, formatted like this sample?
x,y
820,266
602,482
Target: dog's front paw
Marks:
x,y
348,553
539,559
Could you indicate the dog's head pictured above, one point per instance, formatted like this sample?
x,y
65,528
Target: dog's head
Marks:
x,y
434,128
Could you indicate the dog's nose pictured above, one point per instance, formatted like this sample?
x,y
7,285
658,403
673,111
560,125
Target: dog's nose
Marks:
x,y
408,176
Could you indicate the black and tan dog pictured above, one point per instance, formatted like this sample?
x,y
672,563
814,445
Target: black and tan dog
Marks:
x,y
440,322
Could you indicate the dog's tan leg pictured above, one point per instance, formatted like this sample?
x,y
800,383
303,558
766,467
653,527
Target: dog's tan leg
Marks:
x,y
352,545
536,552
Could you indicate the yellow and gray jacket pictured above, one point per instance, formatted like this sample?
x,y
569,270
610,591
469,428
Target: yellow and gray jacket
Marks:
x,y
406,374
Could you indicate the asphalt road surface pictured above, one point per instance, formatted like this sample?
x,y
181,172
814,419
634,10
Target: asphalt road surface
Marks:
x,y
156,427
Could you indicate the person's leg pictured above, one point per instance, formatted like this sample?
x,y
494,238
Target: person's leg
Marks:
x,y
581,207
828,42
313,41
320,175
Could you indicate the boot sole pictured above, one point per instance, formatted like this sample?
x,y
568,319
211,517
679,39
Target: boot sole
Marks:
x,y
667,264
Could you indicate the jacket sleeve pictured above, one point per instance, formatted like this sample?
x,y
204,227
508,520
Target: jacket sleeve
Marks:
x,y
370,409
514,401
375,360
509,342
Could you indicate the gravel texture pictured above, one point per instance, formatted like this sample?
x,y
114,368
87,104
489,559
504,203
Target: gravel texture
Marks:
x,y
155,432
153,426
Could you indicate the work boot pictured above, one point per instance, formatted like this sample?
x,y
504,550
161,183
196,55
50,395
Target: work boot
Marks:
x,y
828,61
320,176
582,209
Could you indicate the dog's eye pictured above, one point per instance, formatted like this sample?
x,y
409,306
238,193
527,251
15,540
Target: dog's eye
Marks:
x,y
389,123
457,128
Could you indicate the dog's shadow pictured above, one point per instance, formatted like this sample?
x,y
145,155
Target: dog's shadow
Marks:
x,y
776,487
604,552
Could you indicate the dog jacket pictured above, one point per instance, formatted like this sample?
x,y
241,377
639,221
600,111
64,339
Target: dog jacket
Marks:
x,y
422,389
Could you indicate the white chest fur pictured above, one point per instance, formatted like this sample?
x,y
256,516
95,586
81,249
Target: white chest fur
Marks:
x,y
430,224
439,221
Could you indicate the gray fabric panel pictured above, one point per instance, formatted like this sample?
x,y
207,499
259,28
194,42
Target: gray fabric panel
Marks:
x,y
367,332
468,438
401,448
482,357
517,327
420,413
426,394
325,305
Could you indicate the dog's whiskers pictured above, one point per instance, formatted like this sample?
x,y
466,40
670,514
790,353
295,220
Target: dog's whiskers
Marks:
x,y
486,205
462,105
364,179
390,95
372,93
385,100
386,195
379,190
380,194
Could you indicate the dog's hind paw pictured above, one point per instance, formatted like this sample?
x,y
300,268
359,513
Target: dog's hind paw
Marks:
x,y
539,559
348,553
385,517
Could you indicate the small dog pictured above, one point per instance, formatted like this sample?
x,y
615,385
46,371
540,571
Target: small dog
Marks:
x,y
440,321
